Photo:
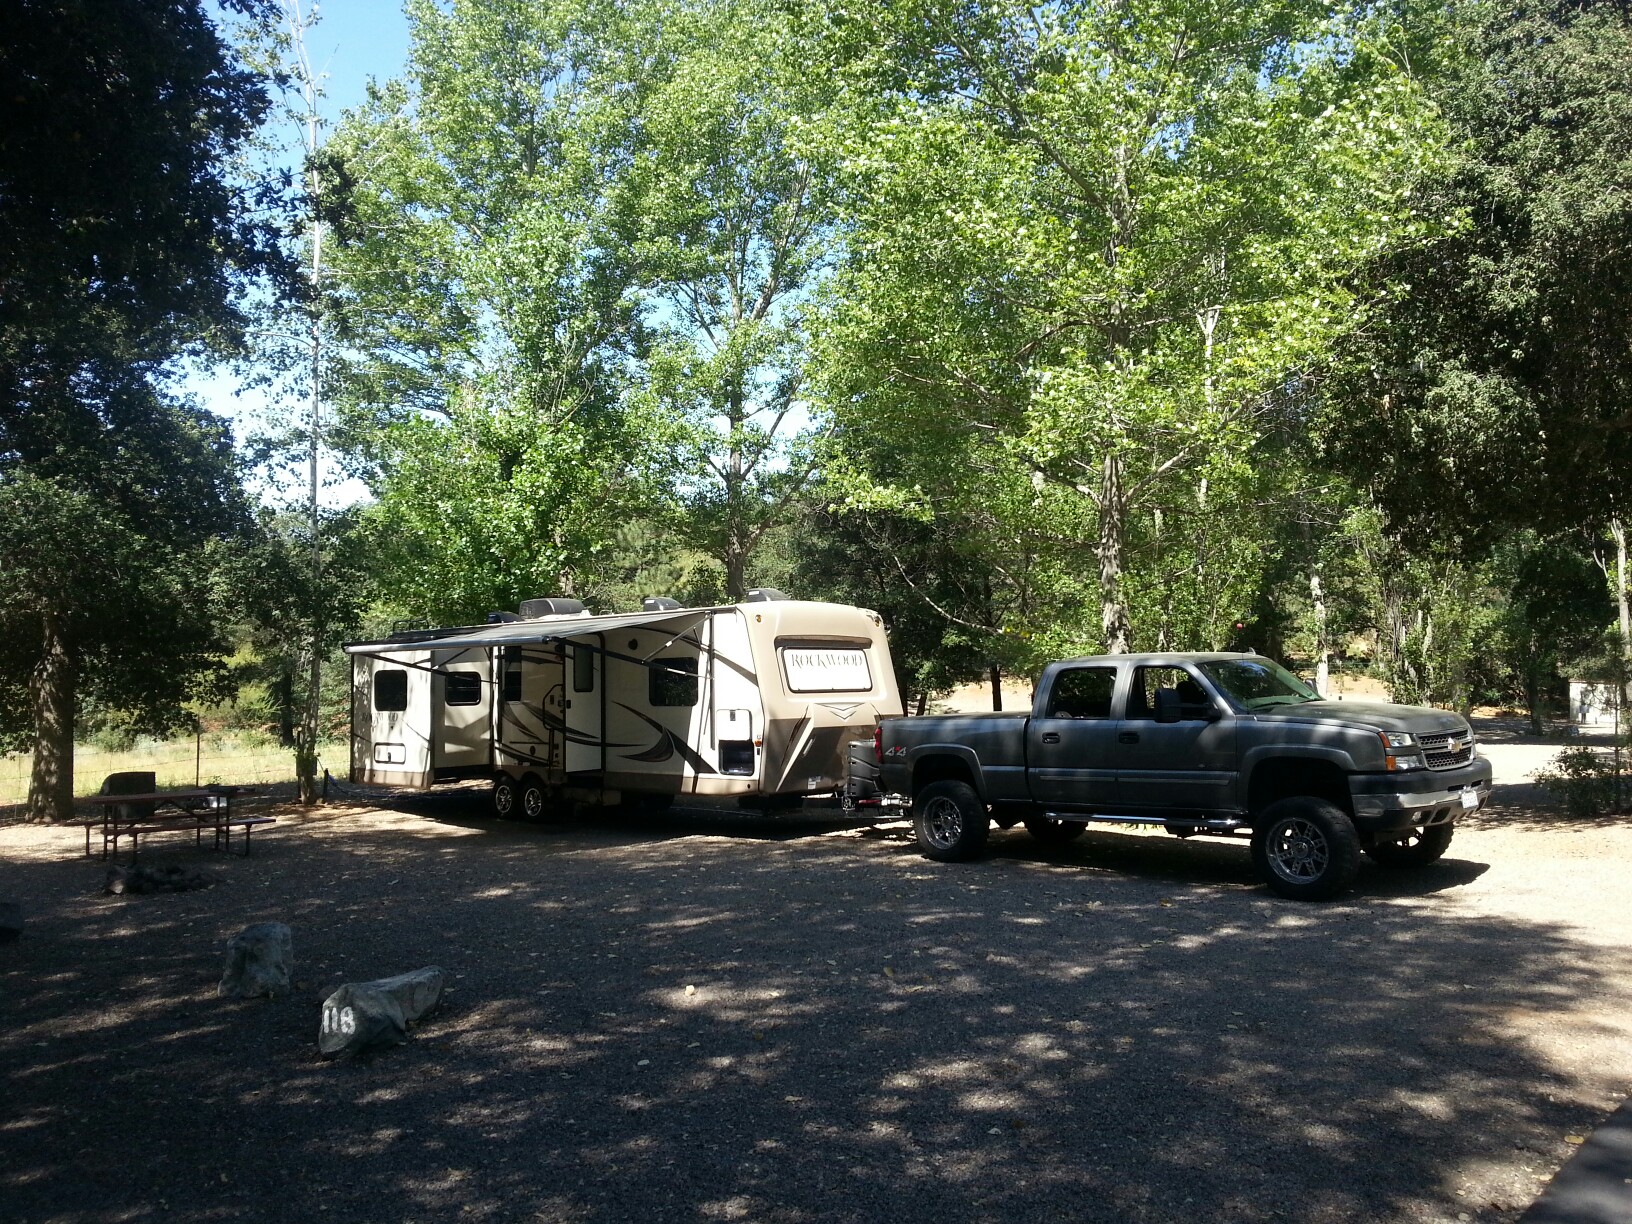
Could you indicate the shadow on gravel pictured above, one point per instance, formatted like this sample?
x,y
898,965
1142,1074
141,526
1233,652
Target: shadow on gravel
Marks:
x,y
691,1028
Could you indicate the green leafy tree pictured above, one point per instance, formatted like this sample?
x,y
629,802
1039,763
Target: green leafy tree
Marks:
x,y
122,243
1089,245
726,213
1492,391
488,315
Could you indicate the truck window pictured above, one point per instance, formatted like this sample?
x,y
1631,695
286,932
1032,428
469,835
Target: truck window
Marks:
x,y
1082,692
1193,699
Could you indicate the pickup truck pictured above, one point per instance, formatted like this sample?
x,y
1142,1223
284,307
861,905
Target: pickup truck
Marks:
x,y
1230,744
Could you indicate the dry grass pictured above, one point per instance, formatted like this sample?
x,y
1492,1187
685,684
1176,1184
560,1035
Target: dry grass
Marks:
x,y
232,759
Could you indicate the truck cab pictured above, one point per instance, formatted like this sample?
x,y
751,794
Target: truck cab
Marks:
x,y
1229,744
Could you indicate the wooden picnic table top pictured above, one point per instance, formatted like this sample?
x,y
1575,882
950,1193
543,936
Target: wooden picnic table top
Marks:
x,y
170,796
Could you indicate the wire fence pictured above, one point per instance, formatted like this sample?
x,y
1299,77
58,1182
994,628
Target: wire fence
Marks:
x,y
230,760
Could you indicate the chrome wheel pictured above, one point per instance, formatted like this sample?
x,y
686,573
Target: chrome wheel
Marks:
x,y
943,823
1298,851
532,801
1305,848
950,821
504,798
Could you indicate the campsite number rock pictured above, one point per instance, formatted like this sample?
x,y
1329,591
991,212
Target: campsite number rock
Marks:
x,y
371,1015
342,1020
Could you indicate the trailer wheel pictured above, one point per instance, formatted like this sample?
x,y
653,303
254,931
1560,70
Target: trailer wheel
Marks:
x,y
535,800
1305,848
1054,832
504,797
1417,848
951,822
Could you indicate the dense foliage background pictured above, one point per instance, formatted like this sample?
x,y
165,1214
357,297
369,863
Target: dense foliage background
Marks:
x,y
1040,329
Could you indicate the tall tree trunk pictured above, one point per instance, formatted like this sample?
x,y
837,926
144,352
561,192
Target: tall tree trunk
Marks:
x,y
997,687
51,784
1113,518
736,569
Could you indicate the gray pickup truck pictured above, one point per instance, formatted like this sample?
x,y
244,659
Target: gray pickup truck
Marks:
x,y
1226,744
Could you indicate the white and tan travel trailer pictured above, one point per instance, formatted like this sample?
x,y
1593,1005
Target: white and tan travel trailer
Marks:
x,y
755,701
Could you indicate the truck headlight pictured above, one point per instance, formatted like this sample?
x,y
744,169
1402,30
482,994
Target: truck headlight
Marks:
x,y
1397,739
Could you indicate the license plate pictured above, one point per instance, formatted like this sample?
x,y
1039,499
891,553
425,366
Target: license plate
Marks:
x,y
1470,800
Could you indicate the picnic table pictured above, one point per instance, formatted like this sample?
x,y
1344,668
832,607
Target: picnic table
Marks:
x,y
137,815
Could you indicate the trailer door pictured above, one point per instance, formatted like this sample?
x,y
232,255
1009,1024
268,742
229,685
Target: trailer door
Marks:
x,y
585,671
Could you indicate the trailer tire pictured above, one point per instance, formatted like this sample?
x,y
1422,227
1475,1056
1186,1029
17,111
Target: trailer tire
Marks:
x,y
1305,848
950,820
534,800
504,797
1417,848
1052,831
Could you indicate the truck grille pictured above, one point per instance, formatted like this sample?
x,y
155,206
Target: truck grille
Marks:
x,y
1447,749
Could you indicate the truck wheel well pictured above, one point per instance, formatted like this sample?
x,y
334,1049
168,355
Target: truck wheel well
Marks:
x,y
1285,777
940,769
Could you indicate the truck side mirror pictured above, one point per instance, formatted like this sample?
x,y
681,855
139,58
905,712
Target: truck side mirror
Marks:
x,y
1167,706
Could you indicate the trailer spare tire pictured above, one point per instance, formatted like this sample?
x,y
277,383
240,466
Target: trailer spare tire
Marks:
x,y
951,822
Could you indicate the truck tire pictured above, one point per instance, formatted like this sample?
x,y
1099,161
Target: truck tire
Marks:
x,y
1417,848
1305,848
951,821
1053,832
505,797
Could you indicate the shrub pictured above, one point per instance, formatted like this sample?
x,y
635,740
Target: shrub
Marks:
x,y
1585,781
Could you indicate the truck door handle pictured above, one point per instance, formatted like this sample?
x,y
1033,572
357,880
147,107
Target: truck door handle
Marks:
x,y
1128,737
1051,737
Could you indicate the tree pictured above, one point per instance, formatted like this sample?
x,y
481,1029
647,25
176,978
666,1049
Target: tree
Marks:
x,y
122,238
488,315
726,211
1499,372
1090,246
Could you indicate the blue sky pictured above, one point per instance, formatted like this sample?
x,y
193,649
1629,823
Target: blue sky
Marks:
x,y
353,41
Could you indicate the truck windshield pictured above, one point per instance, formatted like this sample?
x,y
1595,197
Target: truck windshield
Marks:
x,y
1257,684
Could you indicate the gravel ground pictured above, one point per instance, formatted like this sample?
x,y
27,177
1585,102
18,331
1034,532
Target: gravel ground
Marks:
x,y
718,1018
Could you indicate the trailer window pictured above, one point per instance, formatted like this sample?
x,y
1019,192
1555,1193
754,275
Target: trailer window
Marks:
x,y
583,669
510,660
826,669
391,690
462,689
673,682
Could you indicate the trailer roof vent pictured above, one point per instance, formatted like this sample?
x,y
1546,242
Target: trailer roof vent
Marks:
x,y
533,609
501,618
659,603
764,595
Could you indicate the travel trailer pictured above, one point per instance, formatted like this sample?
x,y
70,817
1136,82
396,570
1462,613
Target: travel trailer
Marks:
x,y
754,701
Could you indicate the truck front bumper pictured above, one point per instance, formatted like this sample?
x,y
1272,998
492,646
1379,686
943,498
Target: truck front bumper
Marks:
x,y
1393,802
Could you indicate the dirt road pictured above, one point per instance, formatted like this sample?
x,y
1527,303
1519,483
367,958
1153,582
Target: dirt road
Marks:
x,y
717,1019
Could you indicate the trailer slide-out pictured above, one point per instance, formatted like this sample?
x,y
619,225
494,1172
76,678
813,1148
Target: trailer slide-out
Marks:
x,y
755,701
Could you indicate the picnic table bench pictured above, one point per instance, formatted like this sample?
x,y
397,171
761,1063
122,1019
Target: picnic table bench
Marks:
x,y
137,815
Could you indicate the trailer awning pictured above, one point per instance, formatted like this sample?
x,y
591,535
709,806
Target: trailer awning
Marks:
x,y
530,632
